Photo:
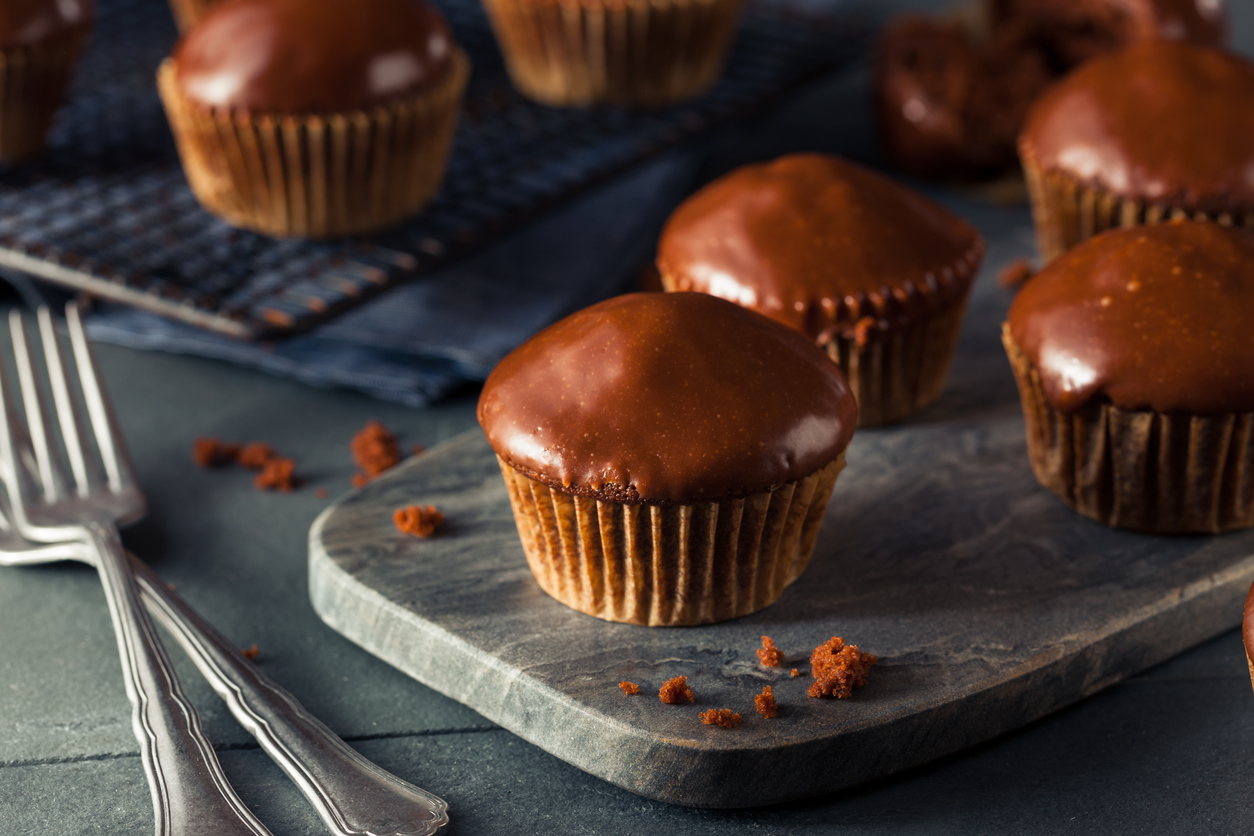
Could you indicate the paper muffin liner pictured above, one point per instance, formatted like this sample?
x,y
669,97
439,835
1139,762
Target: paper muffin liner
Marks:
x,y
1164,473
669,565
187,13
1066,211
33,81
316,176
645,53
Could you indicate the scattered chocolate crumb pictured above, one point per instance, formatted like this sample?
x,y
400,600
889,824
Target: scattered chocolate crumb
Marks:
x,y
629,688
417,520
769,654
171,587
417,450
838,668
724,717
795,673
322,493
277,474
374,450
862,331
765,703
251,653
1015,273
676,691
256,456
360,479
210,452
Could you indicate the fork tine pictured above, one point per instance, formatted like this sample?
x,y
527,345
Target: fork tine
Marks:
x,y
61,398
33,401
14,476
100,411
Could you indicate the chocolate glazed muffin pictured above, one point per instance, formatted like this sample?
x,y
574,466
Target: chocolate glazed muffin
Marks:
x,y
40,41
668,456
874,273
1135,363
1155,132
315,118
1247,631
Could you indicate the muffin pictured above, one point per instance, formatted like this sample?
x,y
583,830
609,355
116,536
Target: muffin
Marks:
x,y
1247,632
874,273
315,119
644,53
951,96
187,13
1135,364
1157,131
668,456
40,41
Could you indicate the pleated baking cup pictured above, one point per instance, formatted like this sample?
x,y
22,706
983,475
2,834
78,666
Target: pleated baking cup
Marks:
x,y
1066,211
1164,473
316,176
187,13
669,565
33,81
645,53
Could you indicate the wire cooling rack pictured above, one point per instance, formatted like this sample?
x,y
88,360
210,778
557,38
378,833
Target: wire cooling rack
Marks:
x,y
106,208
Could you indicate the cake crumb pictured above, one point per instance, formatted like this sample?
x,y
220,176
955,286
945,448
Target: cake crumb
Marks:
x,y
722,717
1015,274
210,452
277,474
417,520
769,654
374,450
676,691
251,653
838,668
765,703
322,493
256,456
171,587
795,673
629,688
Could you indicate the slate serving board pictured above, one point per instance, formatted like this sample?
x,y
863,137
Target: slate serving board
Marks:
x,y
988,602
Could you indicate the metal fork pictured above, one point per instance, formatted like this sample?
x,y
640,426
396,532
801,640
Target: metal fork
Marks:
x,y
351,794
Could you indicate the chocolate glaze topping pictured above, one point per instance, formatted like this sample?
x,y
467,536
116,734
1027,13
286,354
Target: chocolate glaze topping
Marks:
x,y
812,240
667,397
1247,625
26,22
301,56
1157,317
1164,122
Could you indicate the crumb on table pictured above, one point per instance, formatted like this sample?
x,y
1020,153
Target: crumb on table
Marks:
x,y
251,653
769,654
795,673
629,688
417,520
211,452
277,474
374,450
676,691
256,456
765,703
838,668
723,717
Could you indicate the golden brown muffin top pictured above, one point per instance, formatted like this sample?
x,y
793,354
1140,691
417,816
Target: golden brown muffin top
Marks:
x,y
1155,317
667,397
812,240
312,56
1168,123
27,22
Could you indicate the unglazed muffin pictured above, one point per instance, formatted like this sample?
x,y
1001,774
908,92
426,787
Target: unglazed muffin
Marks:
x,y
1135,362
315,119
1155,132
40,41
668,456
645,53
873,272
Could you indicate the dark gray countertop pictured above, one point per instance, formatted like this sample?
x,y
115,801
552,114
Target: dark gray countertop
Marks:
x,y
1165,752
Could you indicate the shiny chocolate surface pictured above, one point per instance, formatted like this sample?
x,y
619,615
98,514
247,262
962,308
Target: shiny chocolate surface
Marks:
x,y
298,56
26,22
1157,317
808,239
667,397
1168,123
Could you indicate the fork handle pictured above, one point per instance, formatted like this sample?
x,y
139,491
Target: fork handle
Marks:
x,y
190,794
351,794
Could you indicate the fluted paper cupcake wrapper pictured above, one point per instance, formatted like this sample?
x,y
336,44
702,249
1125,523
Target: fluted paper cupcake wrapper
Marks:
x,y
319,175
33,81
1165,473
1066,211
645,53
669,565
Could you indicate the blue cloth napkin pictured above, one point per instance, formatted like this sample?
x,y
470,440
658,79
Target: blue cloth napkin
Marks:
x,y
425,339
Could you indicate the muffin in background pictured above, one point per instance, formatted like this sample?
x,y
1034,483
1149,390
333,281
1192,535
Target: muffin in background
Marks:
x,y
874,273
1135,364
187,13
668,456
641,53
315,119
40,42
1247,631
1155,132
